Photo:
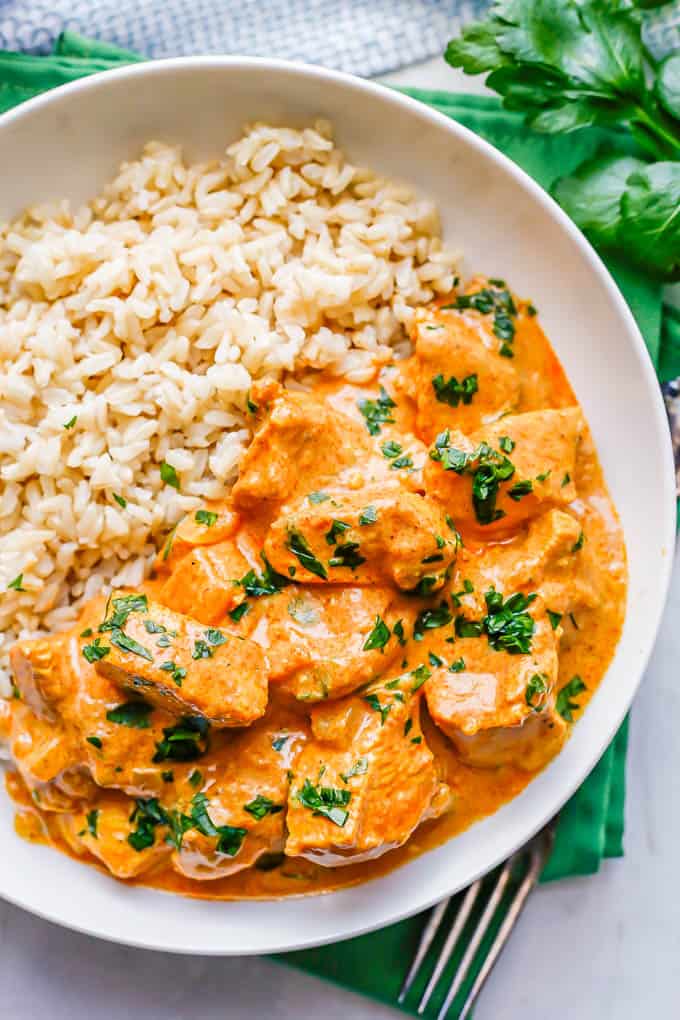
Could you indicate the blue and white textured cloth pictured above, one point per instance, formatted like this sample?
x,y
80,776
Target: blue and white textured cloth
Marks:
x,y
365,37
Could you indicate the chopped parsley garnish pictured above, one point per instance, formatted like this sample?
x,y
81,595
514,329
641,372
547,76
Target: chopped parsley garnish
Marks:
x,y
128,644
16,584
416,740
262,806
391,449
487,467
420,675
298,545
578,544
374,701
507,624
369,515
499,301
398,631
122,609
169,475
147,814
336,528
435,558
520,489
168,545
134,714
565,704
95,651
379,636
278,742
251,405
408,726
202,650
206,517
555,618
215,637
536,691
92,819
239,612
268,583
468,628
168,776
347,555
87,632
506,444
318,497
185,741
360,768
177,673
151,627
95,741
544,476
566,479
430,619
196,777
164,640
325,800
71,422
457,666
452,392
120,500
405,461
377,412
435,660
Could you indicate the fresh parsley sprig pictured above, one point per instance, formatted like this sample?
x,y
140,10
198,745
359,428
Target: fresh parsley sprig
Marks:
x,y
569,64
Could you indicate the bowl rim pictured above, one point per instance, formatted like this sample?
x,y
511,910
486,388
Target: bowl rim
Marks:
x,y
391,914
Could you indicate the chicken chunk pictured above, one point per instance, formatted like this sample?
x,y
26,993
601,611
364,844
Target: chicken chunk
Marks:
x,y
181,666
367,537
239,814
119,832
547,558
499,708
366,781
507,472
300,442
123,743
47,756
316,641
202,584
209,525
460,379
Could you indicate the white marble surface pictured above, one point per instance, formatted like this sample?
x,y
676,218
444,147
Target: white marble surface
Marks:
x,y
603,948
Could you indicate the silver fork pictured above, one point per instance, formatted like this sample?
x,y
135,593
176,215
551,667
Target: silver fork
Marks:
x,y
523,870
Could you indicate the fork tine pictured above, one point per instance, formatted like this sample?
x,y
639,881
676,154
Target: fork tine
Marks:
x,y
426,939
464,912
514,910
477,936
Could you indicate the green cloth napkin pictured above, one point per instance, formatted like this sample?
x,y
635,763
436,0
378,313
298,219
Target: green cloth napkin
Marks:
x,y
591,824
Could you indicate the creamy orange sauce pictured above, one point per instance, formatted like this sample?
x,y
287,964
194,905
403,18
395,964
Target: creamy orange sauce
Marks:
x,y
587,642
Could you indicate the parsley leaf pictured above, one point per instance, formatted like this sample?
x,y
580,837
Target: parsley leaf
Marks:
x,y
377,412
134,714
487,467
430,619
299,547
508,625
379,636
185,741
262,806
565,704
17,583
206,517
95,651
384,709
168,475
325,800
453,392
336,528
369,515
536,691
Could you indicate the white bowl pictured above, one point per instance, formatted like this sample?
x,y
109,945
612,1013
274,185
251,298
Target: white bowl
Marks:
x,y
70,142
